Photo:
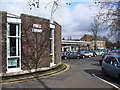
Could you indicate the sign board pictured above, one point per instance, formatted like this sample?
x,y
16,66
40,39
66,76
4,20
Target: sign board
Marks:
x,y
37,28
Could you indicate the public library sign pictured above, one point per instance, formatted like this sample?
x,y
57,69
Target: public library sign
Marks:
x,y
37,28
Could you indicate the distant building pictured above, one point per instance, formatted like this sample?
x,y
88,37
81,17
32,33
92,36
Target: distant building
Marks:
x,y
28,42
75,45
100,44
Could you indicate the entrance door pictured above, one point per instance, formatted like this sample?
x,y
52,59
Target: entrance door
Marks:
x,y
13,48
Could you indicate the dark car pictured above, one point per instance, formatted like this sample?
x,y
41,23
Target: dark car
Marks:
x,y
109,53
74,55
111,66
63,55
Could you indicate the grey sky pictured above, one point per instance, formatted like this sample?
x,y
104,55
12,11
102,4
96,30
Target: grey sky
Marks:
x,y
75,19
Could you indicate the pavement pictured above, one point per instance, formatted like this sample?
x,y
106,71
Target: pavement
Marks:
x,y
36,75
83,73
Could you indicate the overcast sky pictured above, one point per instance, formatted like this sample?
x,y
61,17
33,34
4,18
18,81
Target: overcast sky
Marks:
x,y
75,18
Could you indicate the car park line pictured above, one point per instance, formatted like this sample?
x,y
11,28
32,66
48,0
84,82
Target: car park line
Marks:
x,y
106,82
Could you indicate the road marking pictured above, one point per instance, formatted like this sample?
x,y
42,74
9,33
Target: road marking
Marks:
x,y
67,68
106,82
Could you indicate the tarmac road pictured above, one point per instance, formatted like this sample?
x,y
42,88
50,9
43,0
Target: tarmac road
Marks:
x,y
83,73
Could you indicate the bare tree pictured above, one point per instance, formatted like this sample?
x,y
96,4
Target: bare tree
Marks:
x,y
95,29
34,3
110,15
111,19
96,25
55,4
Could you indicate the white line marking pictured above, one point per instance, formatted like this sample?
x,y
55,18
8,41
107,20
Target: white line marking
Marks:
x,y
106,82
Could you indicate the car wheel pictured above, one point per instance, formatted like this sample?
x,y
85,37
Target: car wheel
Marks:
x,y
65,58
103,72
83,57
89,56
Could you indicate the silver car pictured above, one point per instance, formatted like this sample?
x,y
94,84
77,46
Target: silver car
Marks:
x,y
111,66
87,53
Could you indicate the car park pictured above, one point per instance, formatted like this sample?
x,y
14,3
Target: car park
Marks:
x,y
111,66
74,55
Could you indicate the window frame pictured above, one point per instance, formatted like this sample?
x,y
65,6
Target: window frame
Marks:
x,y
52,51
111,61
16,21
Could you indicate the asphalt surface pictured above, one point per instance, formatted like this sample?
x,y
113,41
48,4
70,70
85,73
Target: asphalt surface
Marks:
x,y
83,73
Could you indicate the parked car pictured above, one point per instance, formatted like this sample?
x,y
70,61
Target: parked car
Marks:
x,y
113,52
63,54
111,66
87,53
99,52
109,53
94,53
74,55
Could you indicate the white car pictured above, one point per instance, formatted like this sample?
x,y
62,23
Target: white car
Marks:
x,y
87,53
91,54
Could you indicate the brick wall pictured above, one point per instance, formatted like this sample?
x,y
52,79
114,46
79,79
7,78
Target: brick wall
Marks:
x,y
57,43
35,45
101,44
0,42
3,33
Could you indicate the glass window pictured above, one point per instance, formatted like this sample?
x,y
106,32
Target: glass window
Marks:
x,y
13,30
108,60
71,53
13,62
114,61
51,45
13,45
51,33
75,53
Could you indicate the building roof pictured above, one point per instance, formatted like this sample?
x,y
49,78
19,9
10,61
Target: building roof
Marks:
x,y
88,37
75,42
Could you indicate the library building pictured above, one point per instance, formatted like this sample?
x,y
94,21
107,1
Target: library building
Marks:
x,y
28,42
